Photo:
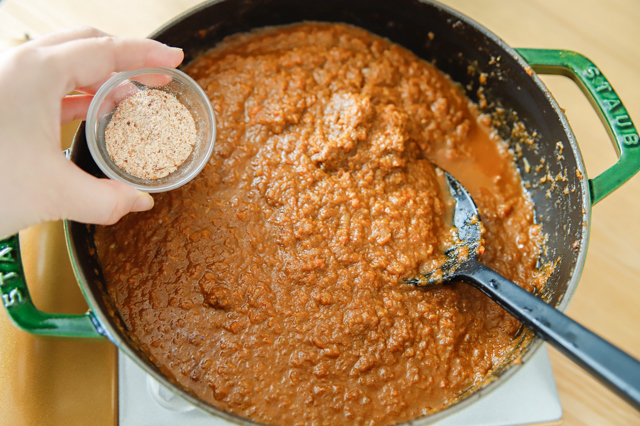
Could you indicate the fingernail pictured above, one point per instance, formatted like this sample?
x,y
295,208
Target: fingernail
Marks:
x,y
143,203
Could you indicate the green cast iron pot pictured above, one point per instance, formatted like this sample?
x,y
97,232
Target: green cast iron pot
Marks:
x,y
456,45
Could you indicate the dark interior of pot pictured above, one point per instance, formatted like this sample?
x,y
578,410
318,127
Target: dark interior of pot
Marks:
x,y
545,151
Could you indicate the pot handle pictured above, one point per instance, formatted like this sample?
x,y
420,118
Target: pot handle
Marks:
x,y
607,104
19,305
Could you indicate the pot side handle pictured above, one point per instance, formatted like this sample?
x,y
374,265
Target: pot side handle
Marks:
x,y
607,104
19,305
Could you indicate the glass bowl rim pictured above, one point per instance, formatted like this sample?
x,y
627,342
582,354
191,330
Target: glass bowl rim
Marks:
x,y
105,90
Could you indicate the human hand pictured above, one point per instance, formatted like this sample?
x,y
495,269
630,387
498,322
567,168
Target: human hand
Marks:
x,y
37,182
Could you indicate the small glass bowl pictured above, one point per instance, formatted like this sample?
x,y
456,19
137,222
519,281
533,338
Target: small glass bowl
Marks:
x,y
125,84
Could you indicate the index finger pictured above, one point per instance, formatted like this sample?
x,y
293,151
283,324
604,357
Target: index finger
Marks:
x,y
81,63
62,36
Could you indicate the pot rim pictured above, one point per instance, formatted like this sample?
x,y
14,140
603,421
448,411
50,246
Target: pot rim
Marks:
x,y
491,382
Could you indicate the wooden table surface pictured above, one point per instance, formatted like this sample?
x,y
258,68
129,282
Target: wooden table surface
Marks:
x,y
608,296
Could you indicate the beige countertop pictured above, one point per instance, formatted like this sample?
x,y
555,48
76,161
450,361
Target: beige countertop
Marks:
x,y
49,382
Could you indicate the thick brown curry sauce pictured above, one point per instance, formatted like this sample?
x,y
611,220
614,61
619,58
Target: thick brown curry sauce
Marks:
x,y
272,286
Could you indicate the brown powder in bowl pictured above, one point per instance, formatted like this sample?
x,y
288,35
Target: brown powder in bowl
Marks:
x,y
150,134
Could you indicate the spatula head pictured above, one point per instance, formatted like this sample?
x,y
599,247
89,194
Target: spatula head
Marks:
x,y
469,230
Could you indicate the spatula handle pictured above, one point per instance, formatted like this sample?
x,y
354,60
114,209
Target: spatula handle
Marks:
x,y
617,370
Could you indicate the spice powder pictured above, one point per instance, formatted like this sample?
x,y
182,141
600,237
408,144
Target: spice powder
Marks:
x,y
150,134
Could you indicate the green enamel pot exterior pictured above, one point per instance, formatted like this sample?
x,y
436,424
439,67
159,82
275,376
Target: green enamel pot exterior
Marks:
x,y
20,308
459,43
607,104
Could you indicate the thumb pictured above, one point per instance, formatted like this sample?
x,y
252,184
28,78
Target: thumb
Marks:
x,y
100,201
